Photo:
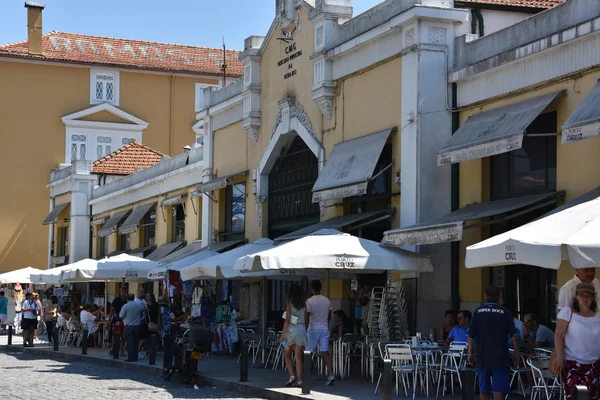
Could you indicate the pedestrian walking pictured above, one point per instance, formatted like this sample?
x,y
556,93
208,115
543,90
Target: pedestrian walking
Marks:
x,y
144,331
490,326
3,311
50,318
294,333
318,316
577,345
36,297
30,311
130,314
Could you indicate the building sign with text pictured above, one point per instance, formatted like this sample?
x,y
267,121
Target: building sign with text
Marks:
x,y
291,53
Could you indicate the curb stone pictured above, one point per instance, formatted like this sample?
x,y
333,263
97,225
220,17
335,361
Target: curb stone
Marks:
x,y
157,371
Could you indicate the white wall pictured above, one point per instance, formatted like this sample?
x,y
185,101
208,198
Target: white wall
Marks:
x,y
494,20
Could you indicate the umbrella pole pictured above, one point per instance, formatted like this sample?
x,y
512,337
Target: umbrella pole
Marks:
x,y
264,317
328,283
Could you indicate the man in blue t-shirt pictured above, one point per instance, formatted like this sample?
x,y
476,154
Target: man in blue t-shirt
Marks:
x,y
3,311
460,333
491,325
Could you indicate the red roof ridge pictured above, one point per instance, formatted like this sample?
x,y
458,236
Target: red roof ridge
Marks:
x,y
120,169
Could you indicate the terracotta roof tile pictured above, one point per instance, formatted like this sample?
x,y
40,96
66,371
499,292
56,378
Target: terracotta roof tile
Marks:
x,y
127,53
519,3
127,159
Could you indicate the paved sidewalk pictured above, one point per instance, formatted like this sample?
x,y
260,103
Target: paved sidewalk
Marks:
x,y
222,372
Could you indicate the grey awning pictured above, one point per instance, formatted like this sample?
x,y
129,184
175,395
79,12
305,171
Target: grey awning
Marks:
x,y
449,228
350,167
216,184
584,123
141,251
170,201
109,226
97,221
337,223
164,250
493,132
116,253
51,218
196,247
131,223
226,245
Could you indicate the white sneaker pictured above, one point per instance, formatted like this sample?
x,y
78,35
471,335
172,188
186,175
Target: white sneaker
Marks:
x,y
330,381
140,356
291,381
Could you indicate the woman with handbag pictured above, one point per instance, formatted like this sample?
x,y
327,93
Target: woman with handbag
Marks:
x,y
577,348
153,313
294,335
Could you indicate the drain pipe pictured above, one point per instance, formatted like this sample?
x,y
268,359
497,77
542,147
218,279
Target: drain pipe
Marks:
x,y
455,204
480,20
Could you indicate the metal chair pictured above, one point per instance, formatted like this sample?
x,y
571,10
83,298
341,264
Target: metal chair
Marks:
x,y
544,381
451,362
403,364
516,372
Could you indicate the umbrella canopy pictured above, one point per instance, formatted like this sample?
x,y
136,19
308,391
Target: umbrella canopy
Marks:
x,y
160,271
221,266
337,251
572,234
52,276
22,275
117,268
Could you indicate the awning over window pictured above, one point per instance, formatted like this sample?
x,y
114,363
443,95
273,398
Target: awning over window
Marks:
x,y
493,132
171,201
51,218
449,228
351,221
350,167
164,250
216,184
131,223
115,253
141,251
98,221
109,226
584,123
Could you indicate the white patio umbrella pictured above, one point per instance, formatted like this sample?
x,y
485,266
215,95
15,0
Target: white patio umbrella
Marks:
x,y
330,249
122,267
160,271
221,265
22,275
571,234
52,276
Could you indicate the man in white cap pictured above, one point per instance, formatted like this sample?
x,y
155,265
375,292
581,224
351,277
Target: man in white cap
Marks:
x,y
567,292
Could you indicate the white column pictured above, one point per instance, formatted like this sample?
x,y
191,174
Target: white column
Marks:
x,y
79,226
426,188
207,203
50,235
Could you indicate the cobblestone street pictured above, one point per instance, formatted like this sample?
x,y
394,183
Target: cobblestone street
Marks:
x,y
26,377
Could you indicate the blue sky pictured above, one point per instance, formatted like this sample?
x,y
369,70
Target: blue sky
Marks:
x,y
193,22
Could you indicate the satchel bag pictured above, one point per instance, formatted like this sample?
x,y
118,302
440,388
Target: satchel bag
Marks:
x,y
152,326
554,355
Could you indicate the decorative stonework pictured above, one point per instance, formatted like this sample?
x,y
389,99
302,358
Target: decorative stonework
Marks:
x,y
276,123
326,107
288,17
409,38
298,111
247,74
437,35
320,36
322,208
253,132
259,205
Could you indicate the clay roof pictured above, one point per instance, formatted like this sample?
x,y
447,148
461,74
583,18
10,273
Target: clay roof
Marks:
x,y
127,159
518,3
127,53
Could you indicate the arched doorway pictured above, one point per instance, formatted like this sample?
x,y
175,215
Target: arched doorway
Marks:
x,y
290,196
290,208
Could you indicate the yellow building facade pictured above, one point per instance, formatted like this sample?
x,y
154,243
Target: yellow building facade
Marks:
x,y
91,95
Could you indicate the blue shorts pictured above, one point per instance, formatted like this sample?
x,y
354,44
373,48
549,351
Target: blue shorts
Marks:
x,y
318,337
500,381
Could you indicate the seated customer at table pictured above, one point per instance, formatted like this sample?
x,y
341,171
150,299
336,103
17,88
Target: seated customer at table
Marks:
x,y
88,319
460,333
539,335
340,326
449,324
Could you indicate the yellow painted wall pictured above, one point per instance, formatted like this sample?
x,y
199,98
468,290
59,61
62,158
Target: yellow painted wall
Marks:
x,y
50,92
577,166
356,115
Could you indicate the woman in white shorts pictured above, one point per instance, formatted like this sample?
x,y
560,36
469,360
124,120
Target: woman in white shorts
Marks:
x,y
294,332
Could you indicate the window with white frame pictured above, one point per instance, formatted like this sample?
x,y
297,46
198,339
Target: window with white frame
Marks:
x,y
103,146
104,86
78,147
200,88
127,140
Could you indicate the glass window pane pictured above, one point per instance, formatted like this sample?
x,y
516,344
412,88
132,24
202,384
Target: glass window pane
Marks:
x,y
109,91
73,152
82,151
107,150
99,153
99,91
238,207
